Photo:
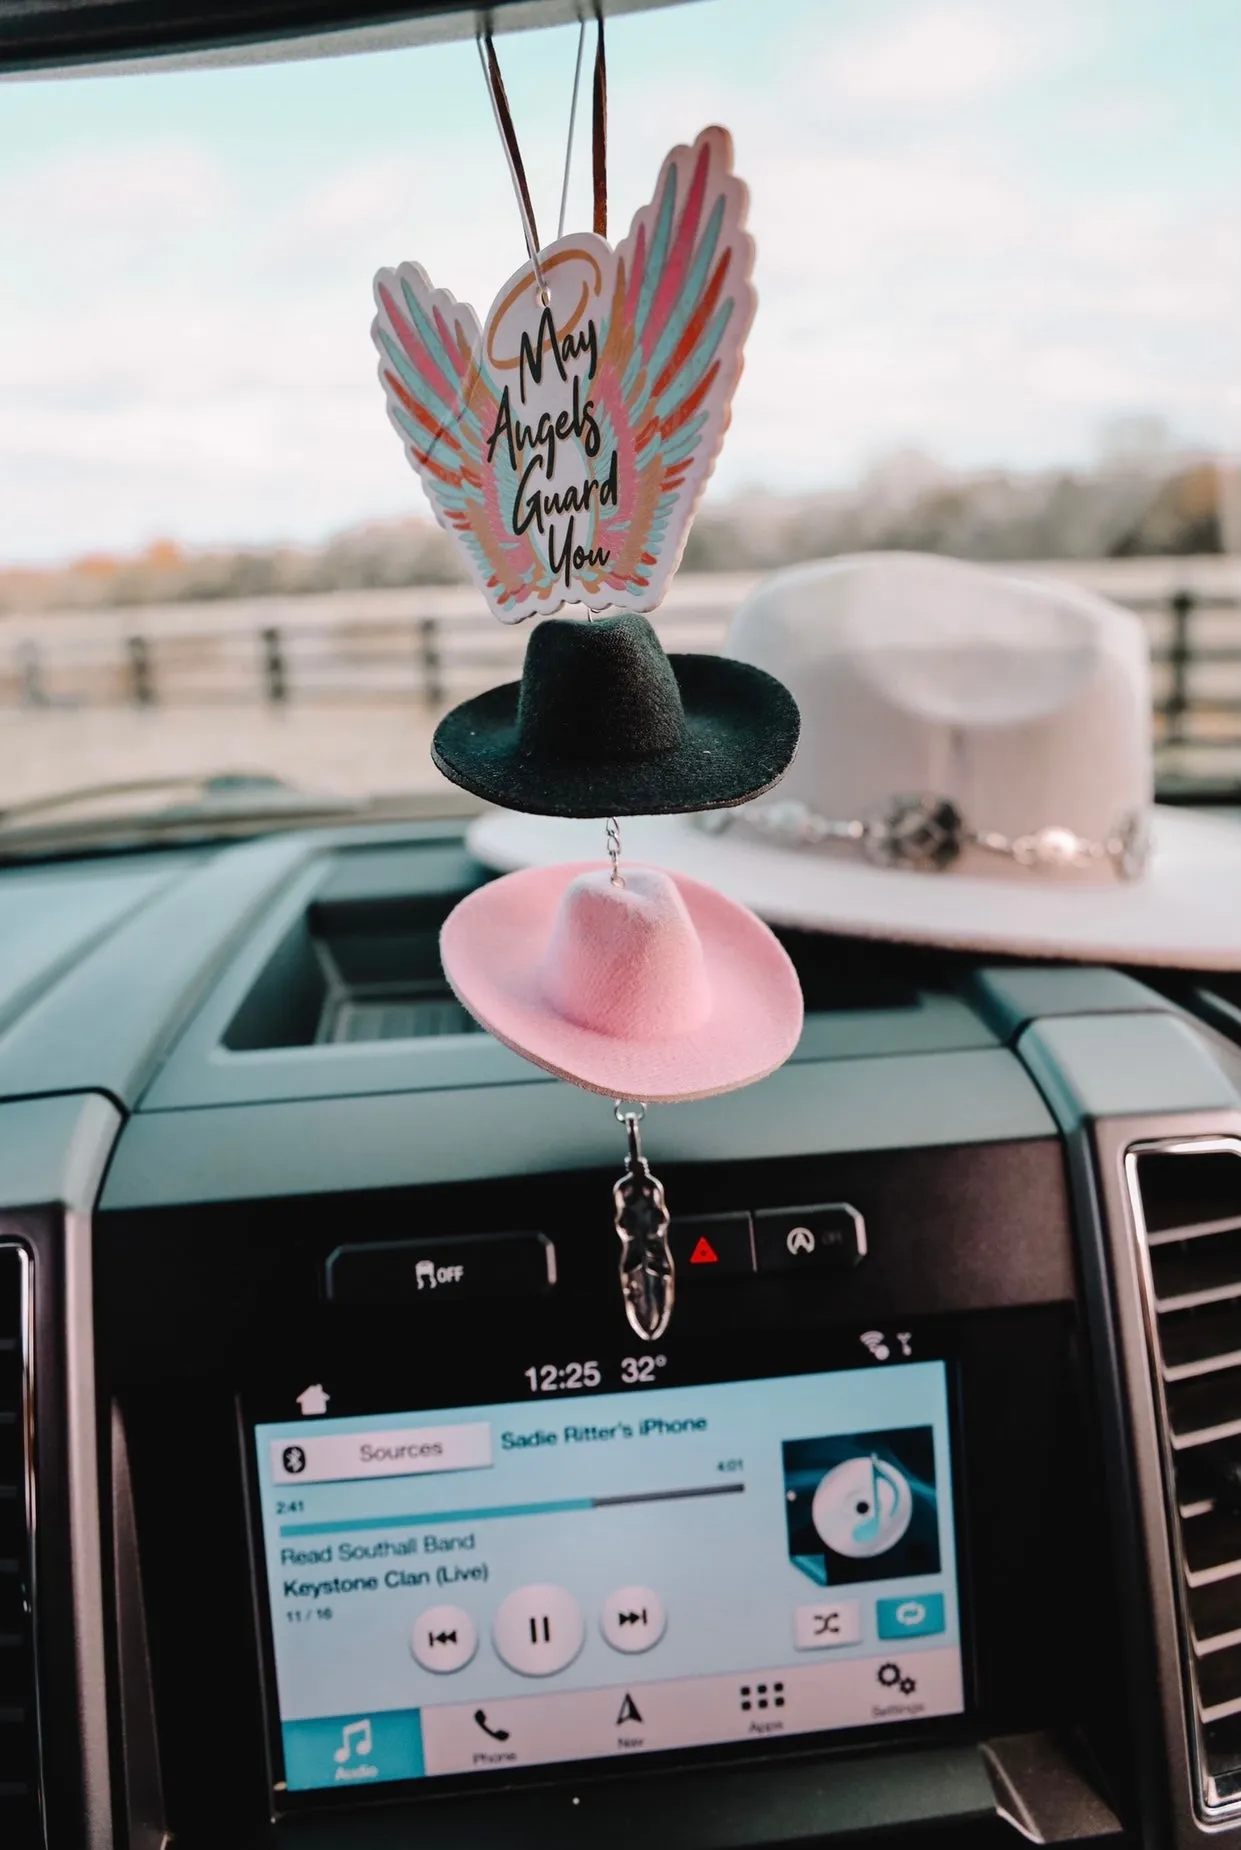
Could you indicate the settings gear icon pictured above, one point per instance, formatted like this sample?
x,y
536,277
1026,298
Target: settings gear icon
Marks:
x,y
891,1677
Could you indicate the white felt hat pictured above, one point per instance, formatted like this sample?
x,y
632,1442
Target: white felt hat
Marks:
x,y
975,771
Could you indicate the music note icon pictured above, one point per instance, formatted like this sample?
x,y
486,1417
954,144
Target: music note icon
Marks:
x,y
361,1747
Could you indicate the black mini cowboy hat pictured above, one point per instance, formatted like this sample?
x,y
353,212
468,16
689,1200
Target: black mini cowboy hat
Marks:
x,y
604,723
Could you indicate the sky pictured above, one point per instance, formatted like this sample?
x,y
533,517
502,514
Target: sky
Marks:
x,y
985,230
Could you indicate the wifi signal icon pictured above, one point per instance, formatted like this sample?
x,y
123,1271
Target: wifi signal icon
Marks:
x,y
876,1342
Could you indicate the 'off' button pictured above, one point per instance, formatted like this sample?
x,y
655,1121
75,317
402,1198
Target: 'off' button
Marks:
x,y
828,1238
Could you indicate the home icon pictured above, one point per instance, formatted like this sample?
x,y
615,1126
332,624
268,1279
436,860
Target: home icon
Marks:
x,y
313,1399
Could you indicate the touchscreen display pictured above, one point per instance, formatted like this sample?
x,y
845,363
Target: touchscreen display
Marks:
x,y
474,1589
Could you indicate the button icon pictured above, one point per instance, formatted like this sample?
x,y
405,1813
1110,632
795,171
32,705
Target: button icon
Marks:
x,y
891,1676
355,1738
497,1734
760,1696
862,1507
444,1639
710,1247
293,1458
629,1712
429,1272
918,1615
819,1628
538,1630
633,1619
313,1400
830,1237
338,1750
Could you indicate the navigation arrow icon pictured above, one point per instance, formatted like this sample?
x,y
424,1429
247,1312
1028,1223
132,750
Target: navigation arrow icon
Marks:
x,y
628,1711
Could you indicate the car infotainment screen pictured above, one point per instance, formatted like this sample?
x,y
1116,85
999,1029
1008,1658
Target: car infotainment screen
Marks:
x,y
476,1589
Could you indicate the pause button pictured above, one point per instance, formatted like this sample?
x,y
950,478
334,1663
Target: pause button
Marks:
x,y
538,1630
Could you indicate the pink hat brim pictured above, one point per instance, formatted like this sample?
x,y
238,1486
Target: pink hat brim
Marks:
x,y
492,945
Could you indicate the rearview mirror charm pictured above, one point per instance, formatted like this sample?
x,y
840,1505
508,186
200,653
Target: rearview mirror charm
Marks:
x,y
564,444
647,1268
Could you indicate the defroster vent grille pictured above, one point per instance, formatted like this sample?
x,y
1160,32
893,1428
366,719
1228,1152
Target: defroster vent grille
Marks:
x,y
1187,1205
20,1823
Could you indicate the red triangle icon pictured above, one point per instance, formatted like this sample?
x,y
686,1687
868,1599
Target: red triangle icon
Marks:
x,y
704,1253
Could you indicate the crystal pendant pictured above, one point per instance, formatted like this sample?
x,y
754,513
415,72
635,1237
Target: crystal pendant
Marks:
x,y
923,833
647,1272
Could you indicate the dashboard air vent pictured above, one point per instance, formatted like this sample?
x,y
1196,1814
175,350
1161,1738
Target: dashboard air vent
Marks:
x,y
20,1827
1187,1205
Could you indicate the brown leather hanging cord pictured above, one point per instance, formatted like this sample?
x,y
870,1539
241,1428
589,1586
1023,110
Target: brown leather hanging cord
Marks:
x,y
599,137
504,117
508,134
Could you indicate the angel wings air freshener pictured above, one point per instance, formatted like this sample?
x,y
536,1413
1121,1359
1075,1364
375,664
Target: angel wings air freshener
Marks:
x,y
565,444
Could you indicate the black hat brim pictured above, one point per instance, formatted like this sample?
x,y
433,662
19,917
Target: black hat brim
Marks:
x,y
741,732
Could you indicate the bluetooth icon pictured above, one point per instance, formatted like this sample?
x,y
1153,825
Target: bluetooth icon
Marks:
x,y
293,1459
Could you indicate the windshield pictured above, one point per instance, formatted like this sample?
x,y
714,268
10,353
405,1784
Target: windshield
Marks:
x,y
999,281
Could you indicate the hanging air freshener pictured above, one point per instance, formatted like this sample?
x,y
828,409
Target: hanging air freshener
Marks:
x,y
564,444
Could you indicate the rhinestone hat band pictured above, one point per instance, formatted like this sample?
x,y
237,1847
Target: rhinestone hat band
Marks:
x,y
928,834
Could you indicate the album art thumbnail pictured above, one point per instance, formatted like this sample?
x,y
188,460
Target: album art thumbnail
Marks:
x,y
863,1505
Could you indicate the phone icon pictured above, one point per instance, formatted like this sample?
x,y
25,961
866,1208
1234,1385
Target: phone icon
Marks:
x,y
497,1734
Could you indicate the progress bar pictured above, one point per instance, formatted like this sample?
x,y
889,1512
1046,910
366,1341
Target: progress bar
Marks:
x,y
356,1524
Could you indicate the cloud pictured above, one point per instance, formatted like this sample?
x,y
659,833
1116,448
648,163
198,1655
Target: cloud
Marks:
x,y
943,54
184,325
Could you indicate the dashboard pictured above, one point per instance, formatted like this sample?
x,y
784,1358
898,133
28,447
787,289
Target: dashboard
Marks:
x,y
347,1511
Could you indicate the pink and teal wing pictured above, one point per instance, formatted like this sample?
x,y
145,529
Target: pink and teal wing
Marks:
x,y
670,358
443,406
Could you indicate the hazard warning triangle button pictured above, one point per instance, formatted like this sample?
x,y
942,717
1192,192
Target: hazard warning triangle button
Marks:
x,y
710,1246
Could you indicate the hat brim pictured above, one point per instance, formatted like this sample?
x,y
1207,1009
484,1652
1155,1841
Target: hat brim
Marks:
x,y
493,943
1185,912
742,727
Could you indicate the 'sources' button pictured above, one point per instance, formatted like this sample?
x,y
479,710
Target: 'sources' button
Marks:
x,y
538,1630
829,1238
633,1619
819,1628
432,1273
917,1615
444,1639
707,1246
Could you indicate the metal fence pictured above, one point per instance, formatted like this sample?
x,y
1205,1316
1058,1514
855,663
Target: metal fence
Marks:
x,y
432,647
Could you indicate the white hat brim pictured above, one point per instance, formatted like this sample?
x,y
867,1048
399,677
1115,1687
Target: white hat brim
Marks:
x,y
1184,912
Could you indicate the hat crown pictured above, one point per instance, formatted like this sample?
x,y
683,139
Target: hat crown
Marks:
x,y
598,692
626,960
1025,702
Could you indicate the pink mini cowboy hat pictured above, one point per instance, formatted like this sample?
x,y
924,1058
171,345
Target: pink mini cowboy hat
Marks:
x,y
656,989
